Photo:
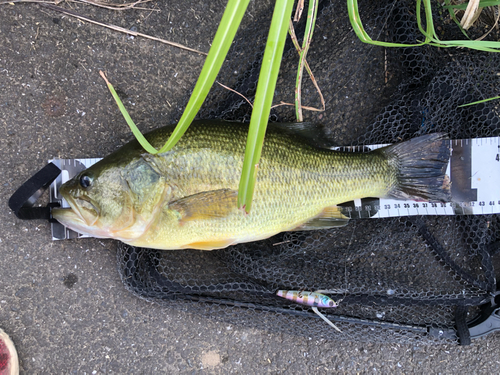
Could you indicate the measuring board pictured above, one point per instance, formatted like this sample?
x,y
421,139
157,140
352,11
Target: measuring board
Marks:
x,y
474,171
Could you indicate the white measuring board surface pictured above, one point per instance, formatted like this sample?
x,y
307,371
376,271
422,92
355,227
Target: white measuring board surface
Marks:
x,y
474,171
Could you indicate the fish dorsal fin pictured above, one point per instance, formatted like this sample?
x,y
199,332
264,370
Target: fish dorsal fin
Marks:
x,y
330,217
206,205
312,133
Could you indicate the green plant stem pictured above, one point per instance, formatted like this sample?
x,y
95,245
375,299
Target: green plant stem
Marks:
x,y
291,31
263,100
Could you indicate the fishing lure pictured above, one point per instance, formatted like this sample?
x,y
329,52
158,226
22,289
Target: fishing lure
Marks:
x,y
312,299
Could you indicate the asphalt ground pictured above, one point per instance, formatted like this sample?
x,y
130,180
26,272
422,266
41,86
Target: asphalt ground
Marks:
x,y
63,303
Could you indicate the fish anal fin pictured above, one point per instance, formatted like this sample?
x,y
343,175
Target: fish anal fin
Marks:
x,y
210,244
206,205
330,217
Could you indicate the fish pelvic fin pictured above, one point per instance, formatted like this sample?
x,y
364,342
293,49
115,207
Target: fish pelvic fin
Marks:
x,y
330,217
212,244
421,168
206,205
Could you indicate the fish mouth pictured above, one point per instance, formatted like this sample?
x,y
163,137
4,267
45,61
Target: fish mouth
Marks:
x,y
81,214
85,209
68,217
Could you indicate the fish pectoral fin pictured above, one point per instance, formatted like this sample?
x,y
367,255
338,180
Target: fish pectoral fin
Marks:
x,y
209,244
330,217
206,205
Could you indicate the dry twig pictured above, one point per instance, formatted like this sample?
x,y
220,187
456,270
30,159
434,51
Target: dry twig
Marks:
x,y
309,71
492,27
112,6
274,106
236,92
118,28
298,11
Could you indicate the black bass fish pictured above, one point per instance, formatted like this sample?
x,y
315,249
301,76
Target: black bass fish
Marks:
x,y
187,197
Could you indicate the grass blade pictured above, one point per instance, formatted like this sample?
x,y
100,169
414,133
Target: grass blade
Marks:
x,y
454,17
479,101
263,99
431,37
357,25
143,141
235,9
223,39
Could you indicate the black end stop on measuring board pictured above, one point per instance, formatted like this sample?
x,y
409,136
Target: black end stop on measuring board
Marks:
x,y
22,201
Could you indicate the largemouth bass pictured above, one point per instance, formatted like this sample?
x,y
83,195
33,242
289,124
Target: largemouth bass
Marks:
x,y
187,197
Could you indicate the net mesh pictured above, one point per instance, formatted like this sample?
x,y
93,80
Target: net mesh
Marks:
x,y
402,279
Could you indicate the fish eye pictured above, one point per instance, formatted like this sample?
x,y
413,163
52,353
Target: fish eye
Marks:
x,y
85,181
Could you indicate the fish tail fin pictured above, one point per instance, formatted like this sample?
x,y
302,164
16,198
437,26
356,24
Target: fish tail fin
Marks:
x,y
421,168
